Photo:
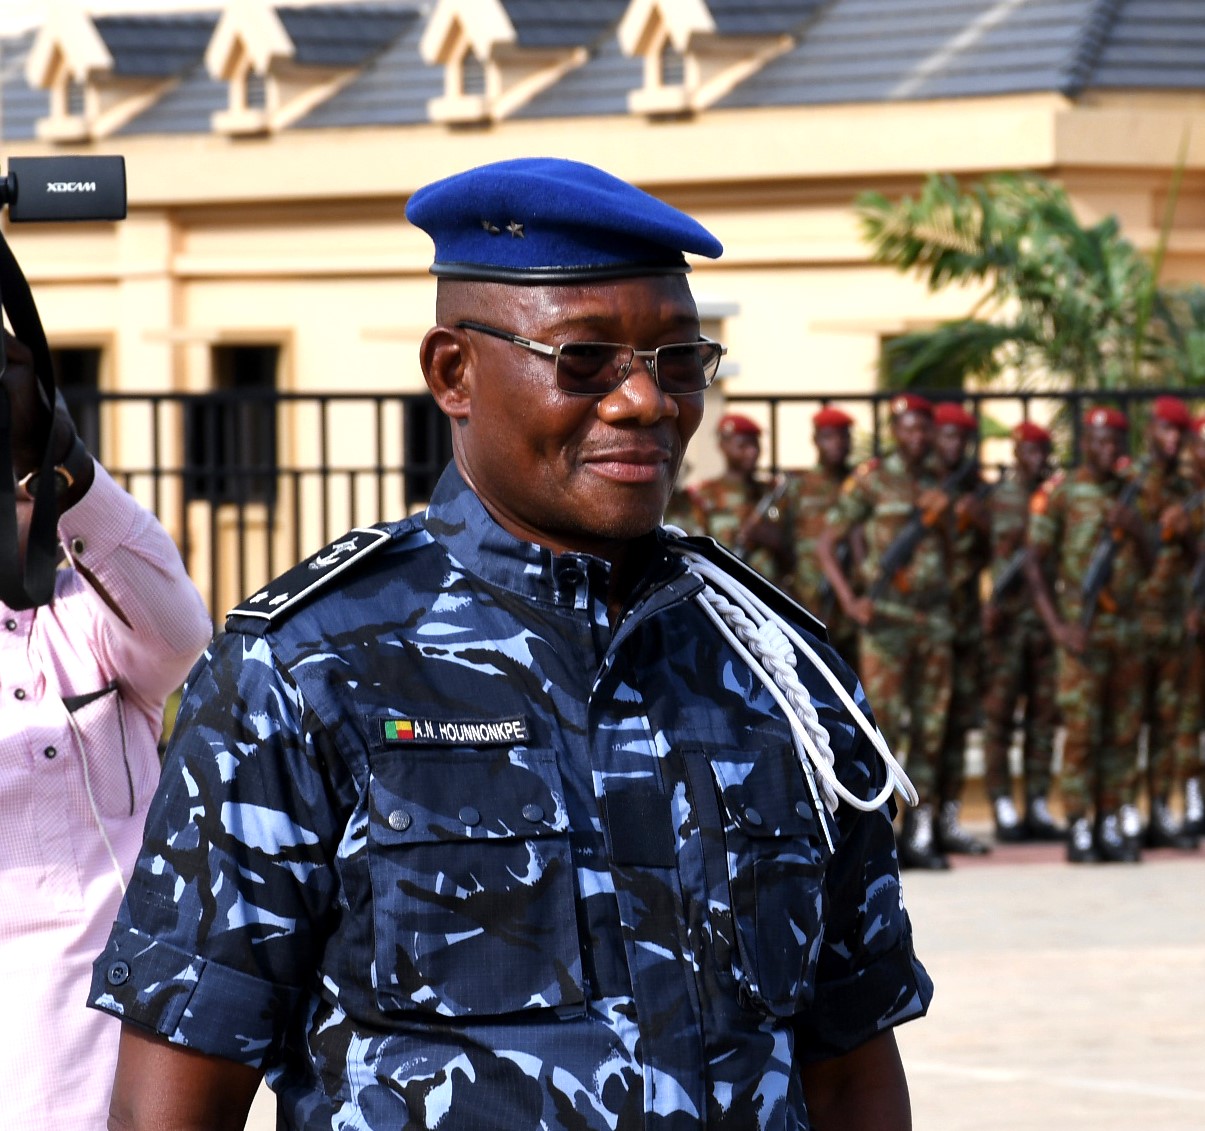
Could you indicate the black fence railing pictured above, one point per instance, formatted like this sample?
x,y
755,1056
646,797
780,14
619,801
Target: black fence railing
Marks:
x,y
251,481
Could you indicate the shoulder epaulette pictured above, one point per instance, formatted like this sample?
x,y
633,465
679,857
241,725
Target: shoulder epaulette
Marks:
x,y
286,592
782,603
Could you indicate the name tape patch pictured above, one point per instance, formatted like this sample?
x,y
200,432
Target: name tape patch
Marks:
x,y
452,732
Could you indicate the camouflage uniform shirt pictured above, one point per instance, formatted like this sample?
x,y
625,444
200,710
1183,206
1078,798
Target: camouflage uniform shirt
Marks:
x,y
811,494
1008,506
443,848
881,495
1066,519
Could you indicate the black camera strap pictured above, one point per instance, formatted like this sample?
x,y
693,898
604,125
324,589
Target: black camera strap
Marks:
x,y
29,583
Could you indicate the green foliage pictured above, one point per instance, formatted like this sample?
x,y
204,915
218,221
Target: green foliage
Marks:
x,y
1063,304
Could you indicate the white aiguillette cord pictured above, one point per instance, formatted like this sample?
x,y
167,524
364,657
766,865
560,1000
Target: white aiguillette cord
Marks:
x,y
764,642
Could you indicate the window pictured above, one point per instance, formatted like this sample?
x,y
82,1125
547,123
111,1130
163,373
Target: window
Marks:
x,y
77,372
230,433
255,92
427,447
673,66
472,75
75,98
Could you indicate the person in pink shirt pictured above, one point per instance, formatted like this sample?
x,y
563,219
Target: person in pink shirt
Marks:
x,y
83,681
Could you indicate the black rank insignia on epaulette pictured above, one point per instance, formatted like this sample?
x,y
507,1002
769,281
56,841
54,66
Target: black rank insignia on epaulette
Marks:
x,y
295,585
782,603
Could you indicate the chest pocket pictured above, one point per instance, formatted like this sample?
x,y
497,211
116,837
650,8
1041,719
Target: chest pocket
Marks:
x,y
472,882
775,860
118,778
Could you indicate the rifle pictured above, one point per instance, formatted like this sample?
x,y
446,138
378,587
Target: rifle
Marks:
x,y
899,553
764,504
1009,575
826,597
1104,553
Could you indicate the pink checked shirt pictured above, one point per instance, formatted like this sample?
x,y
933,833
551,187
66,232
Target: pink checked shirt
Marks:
x,y
81,706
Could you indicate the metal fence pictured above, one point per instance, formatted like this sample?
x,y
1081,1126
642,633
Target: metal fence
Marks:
x,y
249,482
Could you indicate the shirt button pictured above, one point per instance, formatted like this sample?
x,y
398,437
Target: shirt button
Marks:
x,y
118,973
801,808
469,816
570,576
753,817
49,752
77,547
19,693
399,820
533,813
11,625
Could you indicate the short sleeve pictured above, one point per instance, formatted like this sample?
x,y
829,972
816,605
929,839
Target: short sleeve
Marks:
x,y
218,935
868,977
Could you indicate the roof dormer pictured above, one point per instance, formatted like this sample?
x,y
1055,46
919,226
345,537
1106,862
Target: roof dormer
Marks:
x,y
281,62
693,54
490,67
103,71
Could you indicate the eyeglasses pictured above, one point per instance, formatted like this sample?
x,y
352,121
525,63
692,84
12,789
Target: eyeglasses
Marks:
x,y
594,369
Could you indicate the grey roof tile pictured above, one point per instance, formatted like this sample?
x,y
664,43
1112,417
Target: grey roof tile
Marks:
x,y
156,45
344,35
20,104
392,90
762,17
562,23
187,108
600,86
847,51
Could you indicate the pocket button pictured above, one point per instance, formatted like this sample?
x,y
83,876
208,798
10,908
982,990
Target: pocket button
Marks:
x,y
399,820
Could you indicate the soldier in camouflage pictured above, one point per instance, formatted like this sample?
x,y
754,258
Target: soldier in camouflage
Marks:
x,y
743,510
905,644
1189,756
810,495
480,819
1019,658
1072,519
1166,504
955,431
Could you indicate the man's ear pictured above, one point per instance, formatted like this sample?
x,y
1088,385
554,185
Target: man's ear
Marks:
x,y
445,366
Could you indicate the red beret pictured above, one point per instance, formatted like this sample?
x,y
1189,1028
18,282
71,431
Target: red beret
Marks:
x,y
832,418
949,413
1102,416
734,424
1029,432
1173,410
910,402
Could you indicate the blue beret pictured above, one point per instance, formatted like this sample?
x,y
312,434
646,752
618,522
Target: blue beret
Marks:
x,y
547,220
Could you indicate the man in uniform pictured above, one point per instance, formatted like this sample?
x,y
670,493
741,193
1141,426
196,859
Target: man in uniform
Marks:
x,y
741,509
1188,738
955,432
811,494
1099,667
1165,502
903,608
1018,654
461,829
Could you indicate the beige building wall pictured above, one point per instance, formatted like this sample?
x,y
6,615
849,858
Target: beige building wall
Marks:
x,y
299,238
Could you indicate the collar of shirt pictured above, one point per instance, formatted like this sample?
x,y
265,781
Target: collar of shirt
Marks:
x,y
457,519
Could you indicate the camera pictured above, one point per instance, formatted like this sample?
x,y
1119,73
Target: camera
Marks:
x,y
65,188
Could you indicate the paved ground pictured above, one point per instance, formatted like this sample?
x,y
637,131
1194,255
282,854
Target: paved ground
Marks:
x,y
1068,998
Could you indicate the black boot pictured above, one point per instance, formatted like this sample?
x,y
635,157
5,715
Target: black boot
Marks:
x,y
1010,829
1194,807
918,844
1039,823
1113,845
1165,831
952,838
1080,846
